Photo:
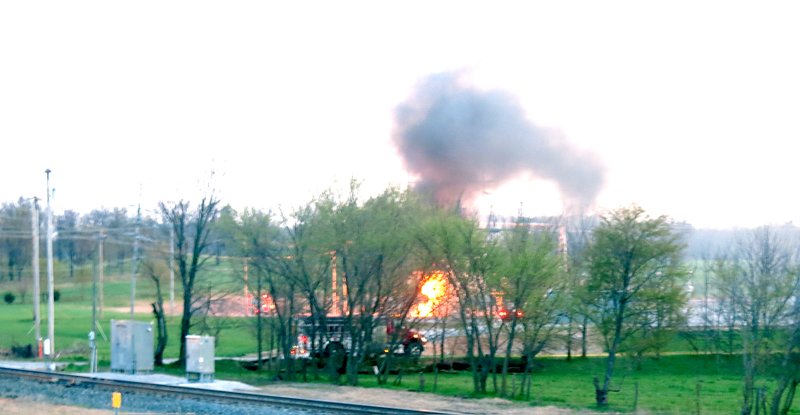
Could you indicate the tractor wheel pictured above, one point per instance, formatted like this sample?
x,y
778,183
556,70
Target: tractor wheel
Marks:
x,y
335,357
413,350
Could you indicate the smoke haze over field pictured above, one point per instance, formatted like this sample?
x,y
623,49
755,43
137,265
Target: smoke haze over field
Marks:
x,y
460,141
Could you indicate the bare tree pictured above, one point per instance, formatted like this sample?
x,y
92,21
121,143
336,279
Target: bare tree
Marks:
x,y
760,283
191,230
158,313
788,373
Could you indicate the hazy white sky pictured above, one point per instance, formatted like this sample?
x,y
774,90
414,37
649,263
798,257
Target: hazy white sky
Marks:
x,y
693,107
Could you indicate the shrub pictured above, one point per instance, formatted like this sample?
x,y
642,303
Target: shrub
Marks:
x,y
9,297
56,295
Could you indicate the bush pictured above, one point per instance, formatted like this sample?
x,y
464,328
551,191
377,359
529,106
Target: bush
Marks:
x,y
9,297
25,352
56,295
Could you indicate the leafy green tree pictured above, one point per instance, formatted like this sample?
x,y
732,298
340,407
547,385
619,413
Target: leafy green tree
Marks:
x,y
372,243
15,234
577,232
632,257
223,234
263,243
470,262
118,226
291,259
532,283
659,313
76,240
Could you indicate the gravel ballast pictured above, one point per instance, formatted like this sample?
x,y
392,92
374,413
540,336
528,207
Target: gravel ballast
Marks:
x,y
89,397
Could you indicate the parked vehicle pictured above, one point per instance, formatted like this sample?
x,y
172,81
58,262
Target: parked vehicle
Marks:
x,y
332,339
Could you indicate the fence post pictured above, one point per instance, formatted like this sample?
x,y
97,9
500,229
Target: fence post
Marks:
x,y
697,398
513,385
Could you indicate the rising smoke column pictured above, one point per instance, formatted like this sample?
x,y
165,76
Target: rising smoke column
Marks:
x,y
460,141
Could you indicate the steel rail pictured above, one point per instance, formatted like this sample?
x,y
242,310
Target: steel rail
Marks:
x,y
225,397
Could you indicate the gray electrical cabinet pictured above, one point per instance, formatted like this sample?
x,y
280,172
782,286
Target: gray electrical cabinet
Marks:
x,y
200,358
131,346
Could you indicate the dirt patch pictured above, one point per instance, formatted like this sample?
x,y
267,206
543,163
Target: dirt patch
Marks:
x,y
412,400
232,306
25,406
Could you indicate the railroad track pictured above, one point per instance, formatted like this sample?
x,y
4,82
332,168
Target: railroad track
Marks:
x,y
224,397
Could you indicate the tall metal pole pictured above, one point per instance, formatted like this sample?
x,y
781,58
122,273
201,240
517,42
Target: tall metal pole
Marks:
x,y
50,300
37,296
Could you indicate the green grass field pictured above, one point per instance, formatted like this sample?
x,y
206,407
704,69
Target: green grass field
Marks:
x,y
73,316
667,385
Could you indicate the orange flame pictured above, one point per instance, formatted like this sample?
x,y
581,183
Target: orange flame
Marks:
x,y
434,289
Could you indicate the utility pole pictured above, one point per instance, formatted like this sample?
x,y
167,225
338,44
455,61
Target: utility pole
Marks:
x,y
92,343
134,270
247,302
100,273
50,301
97,278
171,269
135,265
334,288
37,318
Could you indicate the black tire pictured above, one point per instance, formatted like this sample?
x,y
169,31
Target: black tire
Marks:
x,y
413,350
335,357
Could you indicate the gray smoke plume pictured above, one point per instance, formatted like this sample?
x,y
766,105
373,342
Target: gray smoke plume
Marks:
x,y
461,141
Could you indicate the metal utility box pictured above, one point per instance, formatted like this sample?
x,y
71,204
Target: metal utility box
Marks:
x,y
131,346
200,358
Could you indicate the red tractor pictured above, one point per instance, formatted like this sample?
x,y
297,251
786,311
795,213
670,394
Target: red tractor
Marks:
x,y
332,339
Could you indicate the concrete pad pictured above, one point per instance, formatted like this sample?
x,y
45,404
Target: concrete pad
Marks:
x,y
155,378
29,364
161,379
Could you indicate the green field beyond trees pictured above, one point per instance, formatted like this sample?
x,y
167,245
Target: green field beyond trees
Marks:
x,y
679,382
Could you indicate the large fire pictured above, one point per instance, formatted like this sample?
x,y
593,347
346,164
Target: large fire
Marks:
x,y
435,290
